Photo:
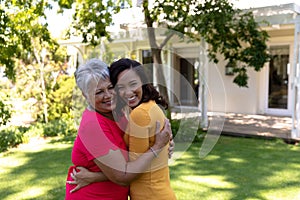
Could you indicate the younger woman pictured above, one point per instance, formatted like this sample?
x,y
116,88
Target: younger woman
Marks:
x,y
134,90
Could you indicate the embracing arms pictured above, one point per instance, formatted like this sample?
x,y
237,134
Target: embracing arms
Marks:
x,y
116,169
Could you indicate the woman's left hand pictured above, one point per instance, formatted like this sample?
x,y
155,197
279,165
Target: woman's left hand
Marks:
x,y
171,146
168,130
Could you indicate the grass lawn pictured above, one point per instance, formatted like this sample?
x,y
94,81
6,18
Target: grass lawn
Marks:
x,y
236,168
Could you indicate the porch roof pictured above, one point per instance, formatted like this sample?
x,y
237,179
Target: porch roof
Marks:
x,y
276,14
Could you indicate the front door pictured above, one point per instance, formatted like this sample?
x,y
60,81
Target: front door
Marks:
x,y
188,84
278,90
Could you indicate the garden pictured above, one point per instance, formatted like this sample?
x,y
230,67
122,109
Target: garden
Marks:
x,y
37,86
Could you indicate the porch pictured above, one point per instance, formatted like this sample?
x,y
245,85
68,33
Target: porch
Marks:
x,y
252,125
263,126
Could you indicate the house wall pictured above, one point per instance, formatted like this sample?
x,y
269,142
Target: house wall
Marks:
x,y
226,96
223,94
254,98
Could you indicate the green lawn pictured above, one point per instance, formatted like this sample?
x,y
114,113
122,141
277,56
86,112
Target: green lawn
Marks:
x,y
237,168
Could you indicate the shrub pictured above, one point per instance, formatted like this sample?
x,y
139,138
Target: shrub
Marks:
x,y
10,137
35,130
5,113
59,127
14,135
186,130
60,99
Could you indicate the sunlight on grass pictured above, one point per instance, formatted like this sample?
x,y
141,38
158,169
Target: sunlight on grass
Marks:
x,y
194,187
34,170
211,158
210,181
8,163
30,193
290,193
179,150
236,160
237,168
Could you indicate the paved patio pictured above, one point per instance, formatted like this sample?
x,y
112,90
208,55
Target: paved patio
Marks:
x,y
246,125
258,125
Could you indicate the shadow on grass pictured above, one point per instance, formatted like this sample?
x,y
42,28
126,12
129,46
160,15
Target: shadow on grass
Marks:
x,y
37,173
239,168
65,140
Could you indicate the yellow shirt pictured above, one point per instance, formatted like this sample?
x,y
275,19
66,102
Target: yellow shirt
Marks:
x,y
140,135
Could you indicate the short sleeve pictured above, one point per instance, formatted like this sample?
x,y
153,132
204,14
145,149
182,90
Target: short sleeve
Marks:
x,y
139,124
140,117
138,132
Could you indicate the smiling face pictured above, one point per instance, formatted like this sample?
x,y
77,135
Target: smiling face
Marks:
x,y
104,97
129,86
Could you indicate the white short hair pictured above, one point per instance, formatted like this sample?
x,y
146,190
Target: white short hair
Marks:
x,y
89,74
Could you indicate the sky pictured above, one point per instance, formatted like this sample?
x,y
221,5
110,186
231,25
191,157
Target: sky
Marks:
x,y
58,22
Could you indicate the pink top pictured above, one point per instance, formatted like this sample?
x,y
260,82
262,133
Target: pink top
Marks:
x,y
96,136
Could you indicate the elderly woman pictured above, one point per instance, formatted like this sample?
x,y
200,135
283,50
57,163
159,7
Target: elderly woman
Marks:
x,y
99,145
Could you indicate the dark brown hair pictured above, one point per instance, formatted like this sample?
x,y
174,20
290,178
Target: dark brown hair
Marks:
x,y
149,92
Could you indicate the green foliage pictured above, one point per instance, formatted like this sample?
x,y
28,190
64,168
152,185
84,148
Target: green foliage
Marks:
x,y
59,127
5,113
10,137
91,19
60,98
186,130
79,104
5,107
20,26
65,3
14,135
8,48
242,77
231,32
32,75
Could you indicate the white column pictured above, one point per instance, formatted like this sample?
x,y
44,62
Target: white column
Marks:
x,y
296,82
203,74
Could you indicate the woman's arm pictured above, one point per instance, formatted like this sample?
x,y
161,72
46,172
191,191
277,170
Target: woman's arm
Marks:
x,y
85,177
115,167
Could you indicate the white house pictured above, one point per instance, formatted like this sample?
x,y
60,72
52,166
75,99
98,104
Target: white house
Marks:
x,y
272,91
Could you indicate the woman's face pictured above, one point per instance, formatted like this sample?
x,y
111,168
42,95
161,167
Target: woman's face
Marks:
x,y
129,86
105,97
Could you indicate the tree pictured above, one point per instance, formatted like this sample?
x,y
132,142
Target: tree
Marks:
x,y
230,32
25,39
41,80
21,22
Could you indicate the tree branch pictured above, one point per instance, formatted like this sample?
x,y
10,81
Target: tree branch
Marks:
x,y
169,36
